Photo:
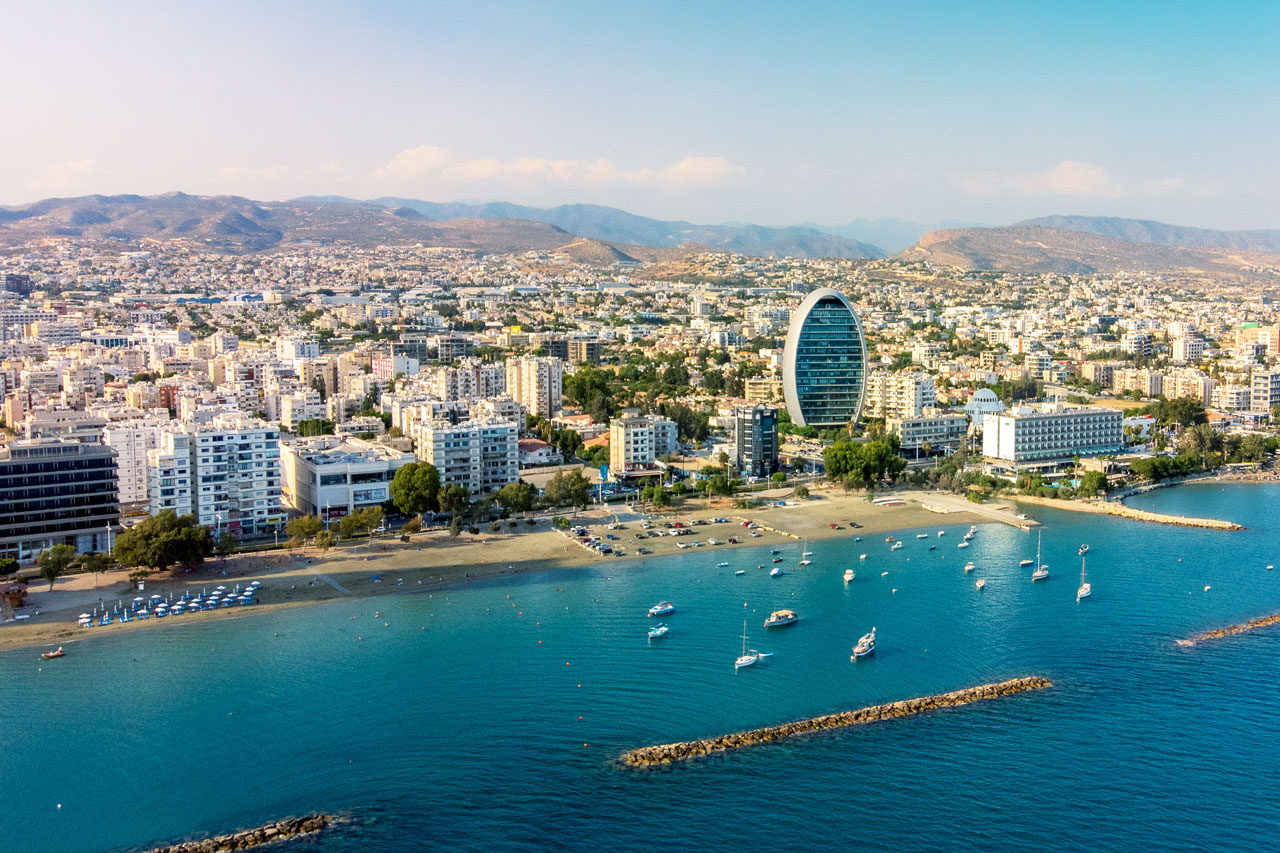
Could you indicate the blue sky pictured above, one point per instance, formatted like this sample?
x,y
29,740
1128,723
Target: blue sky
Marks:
x,y
771,113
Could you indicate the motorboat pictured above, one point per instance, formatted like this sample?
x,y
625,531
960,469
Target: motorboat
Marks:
x,y
776,572
888,538
1084,549
942,533
980,583
661,608
657,631
722,565
778,618
775,551
804,563
862,556
777,559
56,653
969,566
866,645
964,544
848,575
895,546
740,572
922,535
1022,564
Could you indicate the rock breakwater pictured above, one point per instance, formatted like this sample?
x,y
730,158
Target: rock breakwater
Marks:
x,y
1231,630
1121,511
248,838
669,753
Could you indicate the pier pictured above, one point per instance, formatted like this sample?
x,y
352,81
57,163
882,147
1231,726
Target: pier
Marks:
x,y
1232,630
245,839
669,753
1121,511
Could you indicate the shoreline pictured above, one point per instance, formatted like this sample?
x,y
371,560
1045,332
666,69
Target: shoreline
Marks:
x,y
1119,510
434,561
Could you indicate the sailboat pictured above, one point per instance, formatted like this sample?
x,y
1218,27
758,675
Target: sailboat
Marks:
x,y
746,659
1042,570
805,554
1086,588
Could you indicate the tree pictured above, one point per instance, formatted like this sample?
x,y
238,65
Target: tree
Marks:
x,y
160,541
560,523
348,526
454,499
304,527
324,540
413,525
369,519
95,564
225,544
8,565
802,491
54,562
779,477
455,526
1091,483
415,488
569,488
314,426
516,497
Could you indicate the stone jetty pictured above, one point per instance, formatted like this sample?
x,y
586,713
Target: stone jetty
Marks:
x,y
1121,511
277,831
1231,630
669,753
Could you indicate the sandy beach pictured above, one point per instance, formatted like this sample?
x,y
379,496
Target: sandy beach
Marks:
x,y
435,560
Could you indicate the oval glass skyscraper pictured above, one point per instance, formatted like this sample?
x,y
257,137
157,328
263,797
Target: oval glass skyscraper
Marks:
x,y
824,365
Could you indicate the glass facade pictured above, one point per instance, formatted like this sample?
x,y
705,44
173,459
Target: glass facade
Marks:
x,y
824,366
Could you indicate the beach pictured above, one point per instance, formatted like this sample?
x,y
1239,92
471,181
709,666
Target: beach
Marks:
x,y
435,561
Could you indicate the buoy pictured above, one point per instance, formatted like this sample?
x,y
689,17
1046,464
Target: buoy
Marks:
x,y
566,663
539,642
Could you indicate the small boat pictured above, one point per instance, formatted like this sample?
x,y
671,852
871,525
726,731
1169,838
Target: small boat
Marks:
x,y
882,574
1270,567
662,607
922,535
895,546
1084,549
740,572
848,575
722,565
981,582
888,538
56,653
777,559
776,572
933,547
657,631
1042,570
1207,587
866,645
804,563
775,551
806,553
1086,588
1022,564
857,539
862,556
746,659
964,544
969,566
778,618
942,533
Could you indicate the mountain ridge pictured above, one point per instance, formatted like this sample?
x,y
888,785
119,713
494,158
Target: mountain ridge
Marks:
x,y
1161,233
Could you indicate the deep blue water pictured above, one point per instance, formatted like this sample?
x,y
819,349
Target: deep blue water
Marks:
x,y
449,723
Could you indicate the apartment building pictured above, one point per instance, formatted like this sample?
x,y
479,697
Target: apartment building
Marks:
x,y
1264,391
932,431
483,455
905,394
537,383
132,441
635,443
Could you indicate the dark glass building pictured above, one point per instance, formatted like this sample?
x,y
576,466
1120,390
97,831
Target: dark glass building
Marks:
x,y
56,491
824,365
755,439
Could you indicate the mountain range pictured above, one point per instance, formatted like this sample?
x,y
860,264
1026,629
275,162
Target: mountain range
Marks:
x,y
1161,233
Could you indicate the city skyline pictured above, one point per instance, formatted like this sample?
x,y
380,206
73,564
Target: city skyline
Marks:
x,y
709,114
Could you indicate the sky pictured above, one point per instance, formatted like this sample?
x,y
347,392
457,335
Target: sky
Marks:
x,y
773,113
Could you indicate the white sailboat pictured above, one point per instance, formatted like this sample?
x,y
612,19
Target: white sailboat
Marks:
x,y
1086,588
805,553
1042,570
746,659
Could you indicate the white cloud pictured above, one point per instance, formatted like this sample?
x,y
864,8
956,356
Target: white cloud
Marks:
x,y
1068,178
63,177
441,165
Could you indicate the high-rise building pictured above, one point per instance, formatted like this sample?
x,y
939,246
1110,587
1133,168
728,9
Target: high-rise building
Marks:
x,y
635,443
1025,436
584,350
131,440
755,440
1264,391
1187,350
824,362
14,282
905,394
484,456
931,431
56,491
537,383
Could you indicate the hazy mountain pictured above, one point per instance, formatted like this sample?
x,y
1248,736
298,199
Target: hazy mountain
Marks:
x,y
610,224
892,235
1161,233
234,224
1035,249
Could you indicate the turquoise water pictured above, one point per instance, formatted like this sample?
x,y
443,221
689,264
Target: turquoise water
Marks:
x,y
489,718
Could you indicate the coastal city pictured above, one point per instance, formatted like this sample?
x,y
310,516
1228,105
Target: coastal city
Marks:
x,y
443,388
509,428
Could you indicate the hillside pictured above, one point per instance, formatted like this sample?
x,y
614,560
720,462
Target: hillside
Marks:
x,y
1031,249
617,226
1161,233
233,224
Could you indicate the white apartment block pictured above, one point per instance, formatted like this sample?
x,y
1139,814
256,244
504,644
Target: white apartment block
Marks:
x,y
391,366
1264,391
484,456
1187,350
301,406
1138,343
939,430
635,443
537,383
234,463
293,349
905,394
1149,383
332,476
1026,436
1231,398
169,474
471,379
1189,383
132,440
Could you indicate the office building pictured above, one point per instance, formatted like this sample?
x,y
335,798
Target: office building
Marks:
x,y
332,476
824,362
56,491
930,432
755,440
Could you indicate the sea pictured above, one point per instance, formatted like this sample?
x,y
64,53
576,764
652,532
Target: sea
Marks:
x,y
490,717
